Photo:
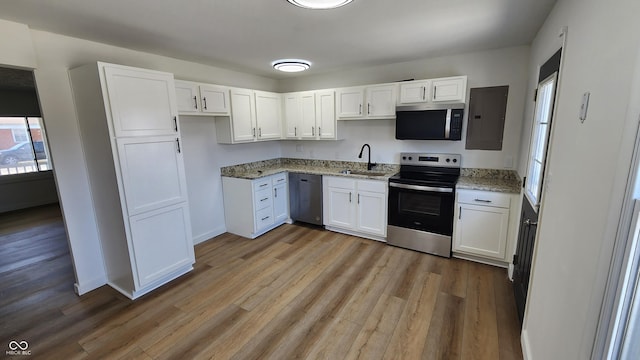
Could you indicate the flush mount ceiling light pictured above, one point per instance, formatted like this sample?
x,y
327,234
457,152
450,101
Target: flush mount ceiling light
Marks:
x,y
319,4
291,65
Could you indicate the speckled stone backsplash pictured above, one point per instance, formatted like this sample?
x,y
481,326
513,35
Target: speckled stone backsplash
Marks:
x,y
490,173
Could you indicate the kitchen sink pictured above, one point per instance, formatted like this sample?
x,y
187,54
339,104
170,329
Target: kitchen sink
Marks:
x,y
365,173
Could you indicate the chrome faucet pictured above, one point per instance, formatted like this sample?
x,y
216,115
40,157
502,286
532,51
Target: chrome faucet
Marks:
x,y
369,163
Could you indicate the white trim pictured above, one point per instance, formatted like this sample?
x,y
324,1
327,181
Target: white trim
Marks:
x,y
209,235
90,285
526,347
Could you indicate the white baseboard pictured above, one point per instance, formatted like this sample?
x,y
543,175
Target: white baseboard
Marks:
x,y
208,235
87,286
526,348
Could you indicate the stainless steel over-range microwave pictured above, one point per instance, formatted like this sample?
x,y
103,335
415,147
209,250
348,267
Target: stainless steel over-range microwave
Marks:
x,y
429,122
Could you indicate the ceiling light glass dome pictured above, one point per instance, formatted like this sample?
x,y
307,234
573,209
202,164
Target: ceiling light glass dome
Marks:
x,y
320,4
291,65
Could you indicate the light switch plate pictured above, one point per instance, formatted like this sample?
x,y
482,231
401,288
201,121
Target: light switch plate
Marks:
x,y
584,106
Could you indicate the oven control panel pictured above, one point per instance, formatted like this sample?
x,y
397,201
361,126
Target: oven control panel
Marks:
x,y
430,159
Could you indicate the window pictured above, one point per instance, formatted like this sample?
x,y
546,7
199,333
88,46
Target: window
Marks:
x,y
540,135
19,135
23,146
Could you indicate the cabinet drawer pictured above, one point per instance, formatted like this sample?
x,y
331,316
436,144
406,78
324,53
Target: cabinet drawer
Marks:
x,y
486,198
278,179
340,182
264,218
263,198
262,184
372,186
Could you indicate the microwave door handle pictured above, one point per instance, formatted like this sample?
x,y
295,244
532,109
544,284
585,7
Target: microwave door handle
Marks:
x,y
447,125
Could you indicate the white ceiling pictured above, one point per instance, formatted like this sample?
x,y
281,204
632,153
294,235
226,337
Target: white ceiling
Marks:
x,y
247,35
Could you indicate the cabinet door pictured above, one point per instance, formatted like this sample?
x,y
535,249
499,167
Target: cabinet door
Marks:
x,y
308,115
268,110
481,230
143,102
326,114
291,115
449,89
152,172
340,210
214,99
350,103
187,97
381,101
414,92
243,116
161,243
280,202
372,213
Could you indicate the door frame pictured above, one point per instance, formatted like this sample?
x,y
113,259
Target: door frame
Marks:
x,y
547,166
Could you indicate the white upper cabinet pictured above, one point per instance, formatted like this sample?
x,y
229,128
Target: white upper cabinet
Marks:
x,y
412,92
255,115
326,114
310,115
378,101
291,102
243,115
350,101
188,97
142,103
381,101
201,99
451,89
268,115
215,100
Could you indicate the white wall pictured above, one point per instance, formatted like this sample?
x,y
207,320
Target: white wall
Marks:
x,y
587,171
488,68
27,190
55,54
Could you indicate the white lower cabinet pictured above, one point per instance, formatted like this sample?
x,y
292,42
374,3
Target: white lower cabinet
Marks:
x,y
482,225
354,206
253,207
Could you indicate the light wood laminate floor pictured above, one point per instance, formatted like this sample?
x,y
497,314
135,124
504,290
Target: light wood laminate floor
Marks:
x,y
295,293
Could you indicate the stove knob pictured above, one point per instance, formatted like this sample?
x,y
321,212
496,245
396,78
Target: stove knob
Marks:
x,y
455,160
404,158
448,160
410,158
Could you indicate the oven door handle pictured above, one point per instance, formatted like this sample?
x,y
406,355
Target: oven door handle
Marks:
x,y
420,187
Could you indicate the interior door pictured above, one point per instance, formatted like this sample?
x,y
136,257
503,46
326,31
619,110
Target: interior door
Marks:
x,y
545,99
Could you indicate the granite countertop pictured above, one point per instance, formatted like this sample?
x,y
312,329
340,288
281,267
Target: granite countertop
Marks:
x,y
506,181
259,169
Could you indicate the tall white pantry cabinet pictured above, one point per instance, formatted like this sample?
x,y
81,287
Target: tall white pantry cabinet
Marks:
x,y
131,140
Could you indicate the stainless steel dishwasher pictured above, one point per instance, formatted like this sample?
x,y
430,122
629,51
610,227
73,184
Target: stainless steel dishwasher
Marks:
x,y
305,198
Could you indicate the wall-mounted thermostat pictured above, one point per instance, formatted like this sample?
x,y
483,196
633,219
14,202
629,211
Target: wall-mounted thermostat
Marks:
x,y
584,106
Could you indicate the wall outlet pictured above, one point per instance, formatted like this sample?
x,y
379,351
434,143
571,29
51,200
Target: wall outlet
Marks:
x,y
508,162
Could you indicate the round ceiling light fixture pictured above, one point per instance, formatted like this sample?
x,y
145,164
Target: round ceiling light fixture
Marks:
x,y
320,4
291,65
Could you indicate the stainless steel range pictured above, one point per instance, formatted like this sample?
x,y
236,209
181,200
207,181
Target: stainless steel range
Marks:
x,y
421,200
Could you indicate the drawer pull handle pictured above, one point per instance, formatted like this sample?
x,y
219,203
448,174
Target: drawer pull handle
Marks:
x,y
195,102
265,218
263,185
265,199
483,201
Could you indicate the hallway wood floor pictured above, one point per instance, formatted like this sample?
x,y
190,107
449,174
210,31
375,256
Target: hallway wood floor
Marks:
x,y
295,293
